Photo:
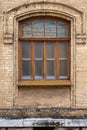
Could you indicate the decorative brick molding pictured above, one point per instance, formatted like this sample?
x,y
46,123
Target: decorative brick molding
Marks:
x,y
31,9
8,38
81,39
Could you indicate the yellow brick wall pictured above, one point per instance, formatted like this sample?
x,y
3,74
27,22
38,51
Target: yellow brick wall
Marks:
x,y
11,96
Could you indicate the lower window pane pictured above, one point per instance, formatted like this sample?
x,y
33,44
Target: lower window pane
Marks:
x,y
63,69
50,69
38,69
25,69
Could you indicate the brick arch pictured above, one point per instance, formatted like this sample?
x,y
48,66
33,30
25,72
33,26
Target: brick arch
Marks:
x,y
43,8
46,8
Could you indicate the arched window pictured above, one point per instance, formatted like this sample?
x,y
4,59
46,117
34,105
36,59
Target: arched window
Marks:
x,y
44,48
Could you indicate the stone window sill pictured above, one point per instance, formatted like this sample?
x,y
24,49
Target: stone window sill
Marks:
x,y
44,83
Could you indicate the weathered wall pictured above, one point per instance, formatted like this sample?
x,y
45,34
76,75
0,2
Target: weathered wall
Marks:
x,y
74,96
48,97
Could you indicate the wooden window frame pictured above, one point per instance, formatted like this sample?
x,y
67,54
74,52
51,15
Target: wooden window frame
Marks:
x,y
32,40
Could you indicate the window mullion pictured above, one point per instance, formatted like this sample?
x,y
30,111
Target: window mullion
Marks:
x,y
20,60
55,62
44,60
32,59
68,58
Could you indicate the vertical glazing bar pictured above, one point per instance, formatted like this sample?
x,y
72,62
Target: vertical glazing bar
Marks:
x,y
44,59
32,54
20,60
56,60
69,55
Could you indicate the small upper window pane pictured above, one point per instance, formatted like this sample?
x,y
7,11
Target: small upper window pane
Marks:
x,y
50,69
26,69
61,29
26,50
63,50
38,69
26,29
63,69
50,50
38,49
50,28
44,28
38,28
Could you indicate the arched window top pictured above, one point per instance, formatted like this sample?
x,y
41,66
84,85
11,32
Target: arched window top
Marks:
x,y
45,28
44,45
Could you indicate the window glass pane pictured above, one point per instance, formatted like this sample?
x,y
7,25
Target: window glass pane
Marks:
x,y
50,28
63,69
38,28
50,50
50,69
26,29
38,69
25,50
63,50
61,29
38,50
26,68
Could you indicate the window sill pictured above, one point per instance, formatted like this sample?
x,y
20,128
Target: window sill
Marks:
x,y
44,83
